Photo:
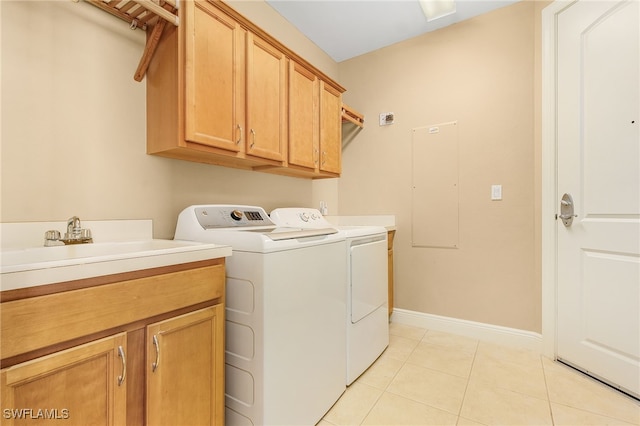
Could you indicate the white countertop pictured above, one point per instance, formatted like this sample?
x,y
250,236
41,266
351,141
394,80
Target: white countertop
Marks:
x,y
119,246
386,221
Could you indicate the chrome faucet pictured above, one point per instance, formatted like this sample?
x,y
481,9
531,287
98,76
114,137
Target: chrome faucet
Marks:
x,y
74,229
75,234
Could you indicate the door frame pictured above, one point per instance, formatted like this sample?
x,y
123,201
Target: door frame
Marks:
x,y
549,255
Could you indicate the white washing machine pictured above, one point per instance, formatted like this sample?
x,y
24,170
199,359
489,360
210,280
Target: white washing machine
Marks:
x,y
285,308
367,317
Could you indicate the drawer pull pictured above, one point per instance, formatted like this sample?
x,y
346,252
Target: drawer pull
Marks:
x,y
240,137
124,366
156,364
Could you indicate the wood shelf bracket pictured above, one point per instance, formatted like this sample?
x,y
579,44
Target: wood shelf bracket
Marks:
x,y
140,14
352,116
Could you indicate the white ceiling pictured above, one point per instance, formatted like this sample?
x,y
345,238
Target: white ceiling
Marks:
x,y
348,28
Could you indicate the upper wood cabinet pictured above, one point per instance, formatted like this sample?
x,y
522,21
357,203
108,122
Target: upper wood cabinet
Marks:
x,y
330,129
304,130
214,78
220,90
266,99
315,124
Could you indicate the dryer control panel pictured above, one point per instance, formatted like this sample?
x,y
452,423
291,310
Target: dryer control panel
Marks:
x,y
299,217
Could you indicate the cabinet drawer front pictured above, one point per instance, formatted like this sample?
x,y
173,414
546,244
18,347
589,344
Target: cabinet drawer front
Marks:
x,y
38,322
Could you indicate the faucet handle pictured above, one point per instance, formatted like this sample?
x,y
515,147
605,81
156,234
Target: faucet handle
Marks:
x,y
52,238
85,234
52,235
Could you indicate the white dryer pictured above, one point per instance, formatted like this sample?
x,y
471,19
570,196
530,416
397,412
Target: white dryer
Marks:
x,y
367,317
285,308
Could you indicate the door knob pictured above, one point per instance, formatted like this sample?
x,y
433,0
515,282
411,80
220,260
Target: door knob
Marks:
x,y
566,210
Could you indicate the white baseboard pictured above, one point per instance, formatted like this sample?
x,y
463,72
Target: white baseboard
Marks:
x,y
477,330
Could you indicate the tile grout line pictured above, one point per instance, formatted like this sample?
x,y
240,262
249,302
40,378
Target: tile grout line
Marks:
x,y
585,410
390,381
464,394
406,361
546,387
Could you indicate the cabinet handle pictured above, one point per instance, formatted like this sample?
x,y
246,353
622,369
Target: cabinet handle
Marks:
x,y
156,364
240,137
124,366
324,157
316,154
253,138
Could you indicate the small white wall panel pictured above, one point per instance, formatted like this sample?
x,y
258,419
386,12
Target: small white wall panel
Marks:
x,y
435,186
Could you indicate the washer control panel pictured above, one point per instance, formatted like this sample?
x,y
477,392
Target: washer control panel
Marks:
x,y
231,216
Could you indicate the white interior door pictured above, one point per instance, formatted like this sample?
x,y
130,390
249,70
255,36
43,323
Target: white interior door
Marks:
x,y
598,265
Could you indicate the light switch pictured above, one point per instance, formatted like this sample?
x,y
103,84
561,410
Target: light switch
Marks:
x,y
496,192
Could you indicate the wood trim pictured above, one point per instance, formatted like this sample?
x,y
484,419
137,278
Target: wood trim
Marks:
x,y
136,377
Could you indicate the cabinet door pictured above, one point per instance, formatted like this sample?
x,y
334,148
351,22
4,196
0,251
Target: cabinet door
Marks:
x,y
78,386
330,129
304,128
214,77
185,369
266,99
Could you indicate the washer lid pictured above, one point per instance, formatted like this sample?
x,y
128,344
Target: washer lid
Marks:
x,y
280,234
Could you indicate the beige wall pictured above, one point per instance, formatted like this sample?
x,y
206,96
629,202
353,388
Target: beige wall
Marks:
x,y
482,74
73,123
73,143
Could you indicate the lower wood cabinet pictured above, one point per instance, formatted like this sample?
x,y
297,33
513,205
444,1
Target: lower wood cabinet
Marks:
x,y
185,364
160,361
79,386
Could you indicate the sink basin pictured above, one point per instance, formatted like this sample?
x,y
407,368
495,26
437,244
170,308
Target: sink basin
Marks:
x,y
45,265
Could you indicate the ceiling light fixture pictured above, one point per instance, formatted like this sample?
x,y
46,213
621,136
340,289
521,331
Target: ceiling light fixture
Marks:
x,y
434,9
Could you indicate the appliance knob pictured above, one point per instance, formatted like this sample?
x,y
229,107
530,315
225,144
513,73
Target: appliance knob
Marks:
x,y
236,215
304,217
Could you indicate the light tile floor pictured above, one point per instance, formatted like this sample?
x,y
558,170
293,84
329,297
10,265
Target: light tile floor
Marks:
x,y
431,378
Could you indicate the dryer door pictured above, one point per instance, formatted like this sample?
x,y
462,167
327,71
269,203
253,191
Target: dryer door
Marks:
x,y
369,280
